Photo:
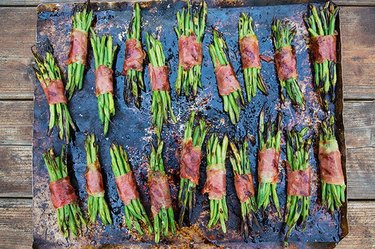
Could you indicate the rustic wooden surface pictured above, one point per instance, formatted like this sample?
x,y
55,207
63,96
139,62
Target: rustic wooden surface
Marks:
x,y
16,107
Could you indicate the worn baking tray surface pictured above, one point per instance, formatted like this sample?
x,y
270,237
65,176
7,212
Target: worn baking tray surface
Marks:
x,y
131,127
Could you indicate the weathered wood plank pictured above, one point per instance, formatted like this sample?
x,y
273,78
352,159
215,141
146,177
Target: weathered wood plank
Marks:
x,y
16,122
358,58
15,171
358,53
16,224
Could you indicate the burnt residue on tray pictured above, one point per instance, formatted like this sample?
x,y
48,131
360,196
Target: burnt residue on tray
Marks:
x,y
131,127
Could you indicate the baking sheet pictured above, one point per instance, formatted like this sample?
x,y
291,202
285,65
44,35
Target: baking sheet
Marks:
x,y
131,127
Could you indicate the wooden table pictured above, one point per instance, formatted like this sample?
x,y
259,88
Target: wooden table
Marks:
x,y
18,23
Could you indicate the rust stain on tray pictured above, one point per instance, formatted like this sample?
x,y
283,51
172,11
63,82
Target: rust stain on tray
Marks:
x,y
131,128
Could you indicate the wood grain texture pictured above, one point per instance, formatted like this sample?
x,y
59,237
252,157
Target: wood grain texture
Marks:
x,y
16,224
358,56
358,53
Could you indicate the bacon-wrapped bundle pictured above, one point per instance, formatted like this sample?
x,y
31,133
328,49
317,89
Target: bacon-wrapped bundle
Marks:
x,y
268,161
323,48
134,57
49,76
127,191
215,184
97,205
63,196
228,85
161,203
285,61
190,48
298,177
78,50
250,57
161,100
331,172
244,185
190,160
104,53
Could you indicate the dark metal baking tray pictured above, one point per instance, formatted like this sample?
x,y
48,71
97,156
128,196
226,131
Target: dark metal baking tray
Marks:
x,y
131,126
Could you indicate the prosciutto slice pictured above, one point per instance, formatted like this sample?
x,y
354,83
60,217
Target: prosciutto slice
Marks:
x,y
286,63
299,182
190,162
103,80
189,52
226,80
330,163
215,183
249,50
94,180
323,48
159,78
54,91
78,47
127,188
62,192
244,187
268,166
134,56
159,192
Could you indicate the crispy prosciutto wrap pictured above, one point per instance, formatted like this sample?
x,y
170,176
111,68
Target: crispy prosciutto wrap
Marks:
x,y
283,33
97,205
215,184
49,76
250,57
190,161
227,83
331,172
78,50
63,196
134,58
135,214
104,53
244,185
298,177
161,203
190,32
158,71
323,48
268,161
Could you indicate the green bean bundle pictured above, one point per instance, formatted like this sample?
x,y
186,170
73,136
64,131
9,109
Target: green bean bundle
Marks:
x,y
332,175
94,184
190,31
190,160
134,56
228,85
285,60
161,99
215,184
161,203
49,76
78,50
268,161
69,216
298,168
244,185
321,26
104,54
127,190
249,50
